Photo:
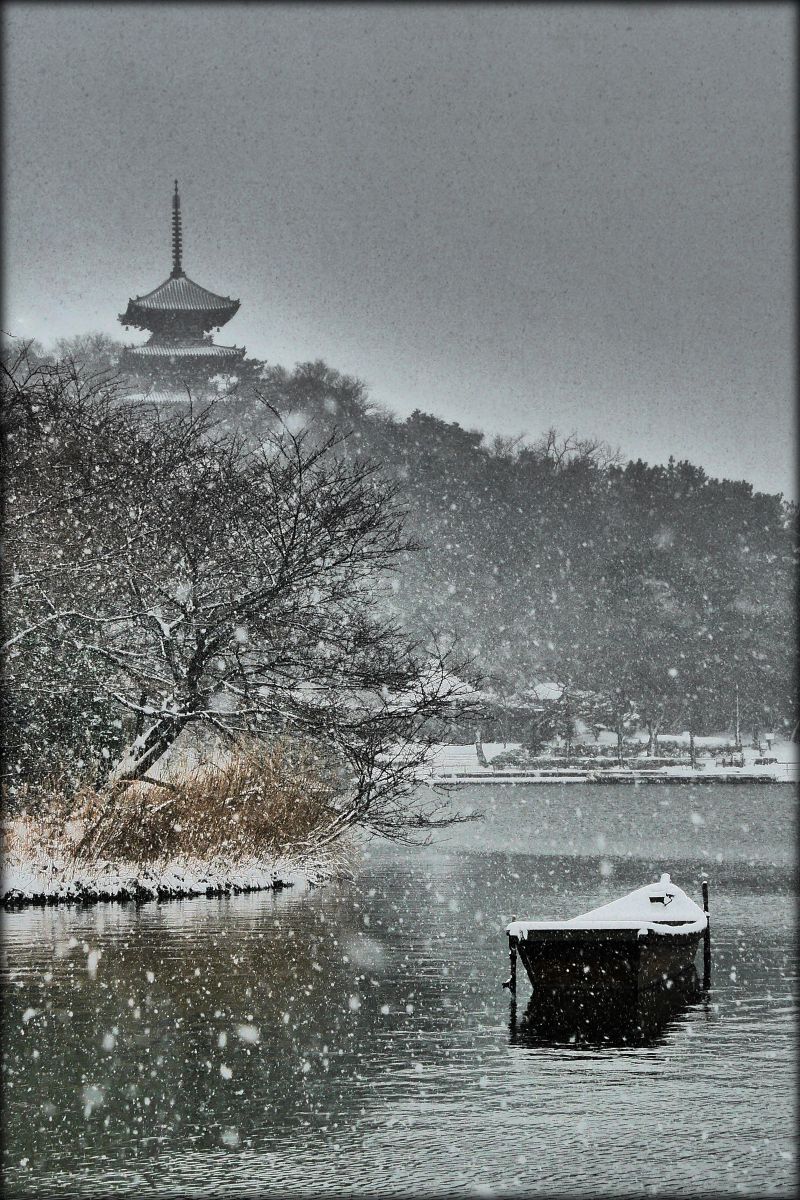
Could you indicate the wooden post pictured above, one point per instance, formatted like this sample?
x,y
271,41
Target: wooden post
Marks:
x,y
511,982
737,737
706,937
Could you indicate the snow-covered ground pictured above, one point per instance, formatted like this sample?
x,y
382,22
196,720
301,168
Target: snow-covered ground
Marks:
x,y
39,876
465,758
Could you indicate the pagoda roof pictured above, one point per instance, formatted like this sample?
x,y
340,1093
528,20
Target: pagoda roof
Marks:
x,y
180,295
171,395
187,350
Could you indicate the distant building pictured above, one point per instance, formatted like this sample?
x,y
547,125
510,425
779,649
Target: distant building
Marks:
x,y
180,355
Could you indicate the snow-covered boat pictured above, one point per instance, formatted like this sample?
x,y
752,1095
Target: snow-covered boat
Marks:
x,y
642,940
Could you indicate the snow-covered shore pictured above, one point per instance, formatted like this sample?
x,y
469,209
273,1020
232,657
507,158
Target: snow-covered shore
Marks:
x,y
30,875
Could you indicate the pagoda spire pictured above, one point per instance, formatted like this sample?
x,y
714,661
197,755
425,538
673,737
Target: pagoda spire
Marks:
x,y
179,315
177,235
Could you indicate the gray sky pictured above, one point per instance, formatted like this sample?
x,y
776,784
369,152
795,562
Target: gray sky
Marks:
x,y
511,216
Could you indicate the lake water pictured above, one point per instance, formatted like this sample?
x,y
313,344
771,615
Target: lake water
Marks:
x,y
356,1039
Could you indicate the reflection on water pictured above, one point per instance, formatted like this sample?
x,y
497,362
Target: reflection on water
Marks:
x,y
605,1017
354,1039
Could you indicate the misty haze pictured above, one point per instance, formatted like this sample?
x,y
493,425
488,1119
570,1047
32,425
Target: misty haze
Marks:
x,y
400,724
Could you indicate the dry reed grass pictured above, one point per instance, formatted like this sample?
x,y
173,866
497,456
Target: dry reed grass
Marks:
x,y
261,801
48,820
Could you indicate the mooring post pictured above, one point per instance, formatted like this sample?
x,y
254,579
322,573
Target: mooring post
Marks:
x,y
706,936
511,982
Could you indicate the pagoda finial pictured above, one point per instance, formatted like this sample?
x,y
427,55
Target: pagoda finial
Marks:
x,y
177,236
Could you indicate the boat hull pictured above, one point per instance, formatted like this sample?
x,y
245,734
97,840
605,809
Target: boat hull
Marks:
x,y
608,958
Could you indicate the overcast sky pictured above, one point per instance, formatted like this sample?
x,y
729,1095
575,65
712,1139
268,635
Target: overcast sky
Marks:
x,y
511,216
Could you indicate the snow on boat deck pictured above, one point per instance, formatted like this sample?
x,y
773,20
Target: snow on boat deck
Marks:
x,y
661,907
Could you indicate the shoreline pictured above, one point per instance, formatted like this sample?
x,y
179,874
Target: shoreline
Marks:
x,y
40,884
461,766
468,778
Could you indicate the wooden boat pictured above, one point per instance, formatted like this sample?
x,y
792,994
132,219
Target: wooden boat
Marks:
x,y
642,940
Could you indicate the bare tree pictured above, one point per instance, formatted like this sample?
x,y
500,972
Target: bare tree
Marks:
x,y
506,445
564,449
199,580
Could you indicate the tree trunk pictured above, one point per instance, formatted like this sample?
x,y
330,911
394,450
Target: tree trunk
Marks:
x,y
139,724
692,755
479,748
148,749
652,738
534,738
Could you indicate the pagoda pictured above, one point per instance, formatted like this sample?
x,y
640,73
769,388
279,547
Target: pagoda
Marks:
x,y
179,315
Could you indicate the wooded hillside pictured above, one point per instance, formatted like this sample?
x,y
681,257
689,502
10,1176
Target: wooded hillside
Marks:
x,y
647,591
653,588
